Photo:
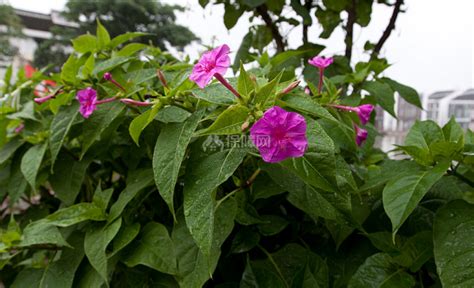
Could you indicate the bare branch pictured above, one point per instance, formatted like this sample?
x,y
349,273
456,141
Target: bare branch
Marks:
x,y
388,30
351,19
262,10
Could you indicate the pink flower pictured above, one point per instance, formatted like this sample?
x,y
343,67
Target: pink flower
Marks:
x,y
279,135
361,135
19,128
321,62
212,62
363,111
88,100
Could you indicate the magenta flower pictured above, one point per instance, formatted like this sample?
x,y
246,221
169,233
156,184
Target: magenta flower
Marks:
x,y
361,135
88,100
212,62
321,62
19,128
363,111
279,135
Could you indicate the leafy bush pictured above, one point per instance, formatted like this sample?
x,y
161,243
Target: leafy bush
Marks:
x,y
159,184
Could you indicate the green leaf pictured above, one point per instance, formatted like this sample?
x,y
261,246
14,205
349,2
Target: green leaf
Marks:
x,y
172,114
401,196
124,237
407,93
329,20
70,69
229,122
253,3
110,64
380,270
231,15
67,178
307,105
193,266
120,39
243,54
84,43
424,133
245,240
169,152
9,149
135,183
416,251
95,245
57,274
267,92
204,175
215,93
245,85
98,122
275,224
302,11
42,232
383,94
140,122
155,250
75,214
103,37
60,127
131,49
315,203
31,162
452,234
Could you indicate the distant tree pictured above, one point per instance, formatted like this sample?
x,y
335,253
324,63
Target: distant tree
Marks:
x,y
13,26
118,16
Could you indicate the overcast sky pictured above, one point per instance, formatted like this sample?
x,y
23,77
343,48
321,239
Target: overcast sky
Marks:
x,y
431,49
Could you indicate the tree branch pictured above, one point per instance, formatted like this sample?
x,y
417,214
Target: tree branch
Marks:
x,y
308,6
388,30
262,10
351,19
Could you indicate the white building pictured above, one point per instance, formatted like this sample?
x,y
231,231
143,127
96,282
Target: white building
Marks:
x,y
36,29
442,105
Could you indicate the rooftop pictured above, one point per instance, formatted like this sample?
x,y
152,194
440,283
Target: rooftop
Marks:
x,y
43,22
468,95
440,94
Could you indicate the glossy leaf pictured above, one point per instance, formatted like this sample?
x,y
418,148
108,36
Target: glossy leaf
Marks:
x,y
31,162
401,196
169,152
452,232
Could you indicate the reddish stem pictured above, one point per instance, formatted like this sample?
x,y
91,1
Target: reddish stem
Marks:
x,y
321,78
117,84
346,108
135,103
106,100
224,82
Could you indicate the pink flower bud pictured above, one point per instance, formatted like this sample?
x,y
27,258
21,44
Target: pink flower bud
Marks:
x,y
361,135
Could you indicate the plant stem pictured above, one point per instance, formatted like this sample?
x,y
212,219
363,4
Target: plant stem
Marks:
x,y
321,79
224,82
111,99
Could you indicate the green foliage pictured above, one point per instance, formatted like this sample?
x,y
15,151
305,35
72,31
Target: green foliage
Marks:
x,y
155,21
174,194
11,27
